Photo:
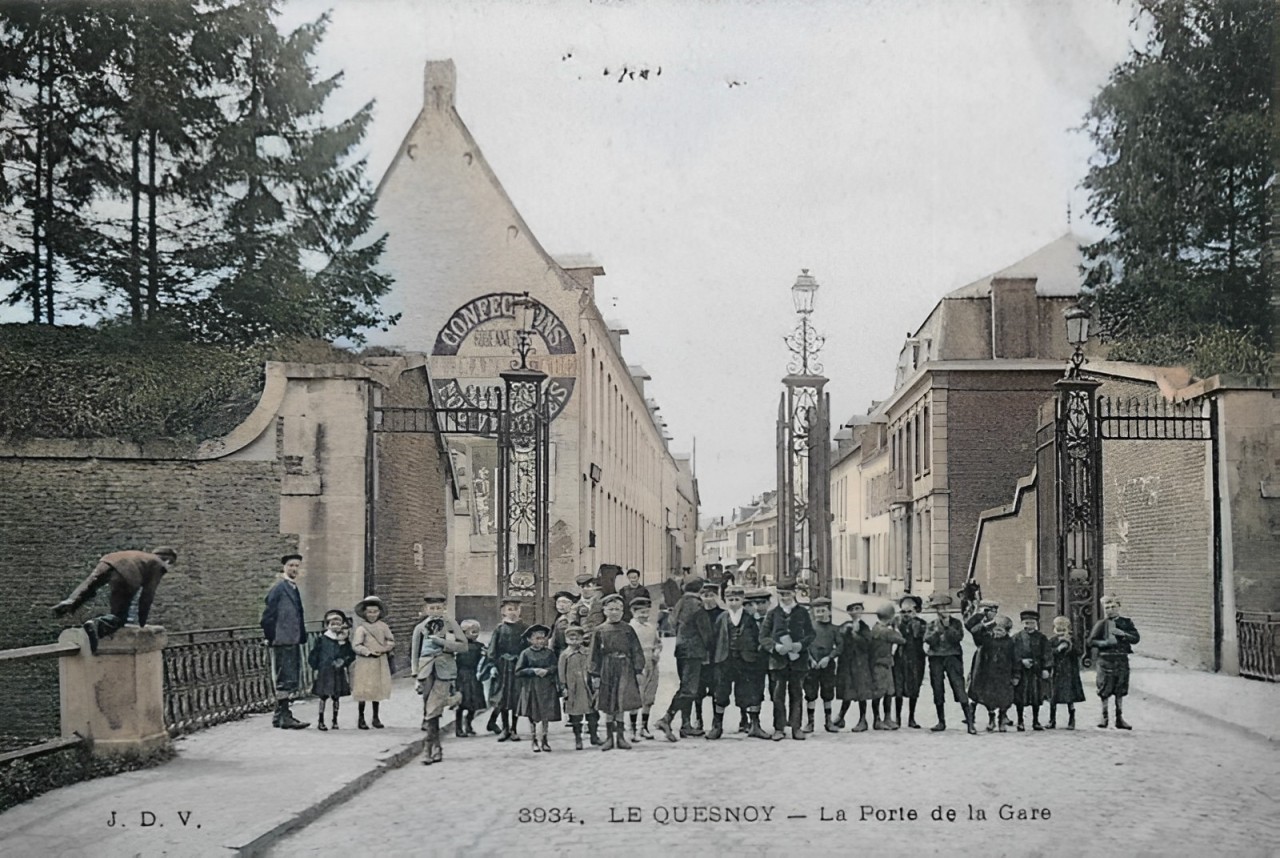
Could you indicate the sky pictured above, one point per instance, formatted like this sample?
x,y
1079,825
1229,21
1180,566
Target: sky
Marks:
x,y
895,148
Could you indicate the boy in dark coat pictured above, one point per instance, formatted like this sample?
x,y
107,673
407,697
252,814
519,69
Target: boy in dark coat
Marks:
x,y
505,645
737,652
991,682
692,626
632,591
908,661
1113,637
617,660
329,659
1066,685
575,683
824,652
791,630
942,640
473,670
883,638
564,617
756,605
710,596
539,699
853,671
1032,661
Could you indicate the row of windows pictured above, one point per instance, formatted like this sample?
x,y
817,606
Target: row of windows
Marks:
x,y
910,441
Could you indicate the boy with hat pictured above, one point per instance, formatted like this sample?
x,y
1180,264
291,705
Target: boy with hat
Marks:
x,y
692,626
853,670
632,591
505,645
1113,636
617,660
908,661
434,648
883,638
651,645
539,699
820,680
329,659
473,671
991,682
756,604
710,596
589,606
1031,668
736,653
573,669
942,643
791,630
564,601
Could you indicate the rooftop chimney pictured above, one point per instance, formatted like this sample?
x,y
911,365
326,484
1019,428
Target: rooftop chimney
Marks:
x,y
440,81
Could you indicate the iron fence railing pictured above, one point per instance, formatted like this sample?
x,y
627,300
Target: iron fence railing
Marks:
x,y
217,675
30,720
1258,634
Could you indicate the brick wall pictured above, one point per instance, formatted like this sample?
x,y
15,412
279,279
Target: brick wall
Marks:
x,y
1005,559
410,517
990,445
1157,548
58,516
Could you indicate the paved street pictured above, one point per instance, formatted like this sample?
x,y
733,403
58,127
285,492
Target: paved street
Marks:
x,y
1175,785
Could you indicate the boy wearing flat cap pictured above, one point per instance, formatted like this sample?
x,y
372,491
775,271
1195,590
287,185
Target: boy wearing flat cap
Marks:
x,y
791,630
651,645
1032,660
853,670
908,661
575,683
505,645
737,652
710,596
883,639
617,660
692,627
757,606
564,601
942,643
1113,636
820,681
436,643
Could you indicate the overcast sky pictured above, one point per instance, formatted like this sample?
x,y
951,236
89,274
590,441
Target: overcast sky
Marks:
x,y
896,148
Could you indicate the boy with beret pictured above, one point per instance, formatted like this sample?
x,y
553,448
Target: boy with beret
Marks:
x,y
651,644
991,682
908,661
942,641
505,645
853,670
791,630
820,680
1113,636
1031,668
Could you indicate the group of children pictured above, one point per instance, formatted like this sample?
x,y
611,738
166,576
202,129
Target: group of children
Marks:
x,y
599,662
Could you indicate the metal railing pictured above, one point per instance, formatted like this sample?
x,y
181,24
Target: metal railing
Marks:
x,y
216,675
28,654
1258,634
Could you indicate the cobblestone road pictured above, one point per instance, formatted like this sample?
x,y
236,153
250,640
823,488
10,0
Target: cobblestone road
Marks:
x,y
1175,785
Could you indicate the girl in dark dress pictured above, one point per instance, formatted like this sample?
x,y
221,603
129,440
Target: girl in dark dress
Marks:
x,y
539,699
470,683
908,661
1066,686
617,660
329,659
991,683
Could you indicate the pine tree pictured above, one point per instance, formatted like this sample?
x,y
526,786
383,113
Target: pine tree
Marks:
x,y
1179,179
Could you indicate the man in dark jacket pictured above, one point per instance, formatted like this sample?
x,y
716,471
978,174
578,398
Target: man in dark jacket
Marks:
x,y
633,590
736,656
284,628
128,572
792,632
692,625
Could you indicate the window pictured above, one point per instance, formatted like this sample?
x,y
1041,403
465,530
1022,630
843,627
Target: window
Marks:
x,y
924,441
916,449
910,453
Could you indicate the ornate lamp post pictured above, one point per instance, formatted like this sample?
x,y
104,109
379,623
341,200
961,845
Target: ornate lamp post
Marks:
x,y
524,445
804,454
1079,483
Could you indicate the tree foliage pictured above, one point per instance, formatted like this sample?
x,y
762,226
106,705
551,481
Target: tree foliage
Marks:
x,y
170,163
1179,179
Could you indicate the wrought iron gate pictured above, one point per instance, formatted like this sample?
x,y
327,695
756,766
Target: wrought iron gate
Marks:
x,y
1069,458
517,417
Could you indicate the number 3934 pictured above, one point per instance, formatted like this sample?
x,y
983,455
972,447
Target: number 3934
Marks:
x,y
545,814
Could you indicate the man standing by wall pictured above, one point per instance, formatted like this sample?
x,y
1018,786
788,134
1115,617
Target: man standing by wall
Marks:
x,y
285,631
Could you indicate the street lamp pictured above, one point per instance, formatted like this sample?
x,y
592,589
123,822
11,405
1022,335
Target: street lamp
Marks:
x,y
1078,319
804,342
804,291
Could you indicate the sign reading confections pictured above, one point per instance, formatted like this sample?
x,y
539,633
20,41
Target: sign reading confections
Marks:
x,y
477,343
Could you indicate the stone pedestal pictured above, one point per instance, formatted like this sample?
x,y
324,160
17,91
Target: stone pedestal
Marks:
x,y
115,698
